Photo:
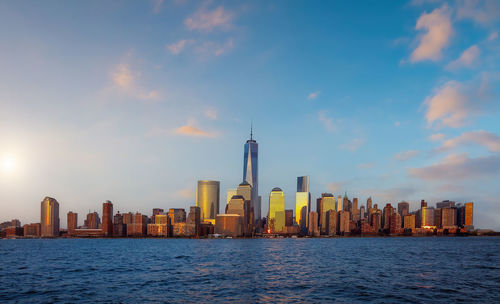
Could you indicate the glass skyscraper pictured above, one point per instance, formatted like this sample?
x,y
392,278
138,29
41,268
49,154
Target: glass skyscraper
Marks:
x,y
276,217
251,172
207,198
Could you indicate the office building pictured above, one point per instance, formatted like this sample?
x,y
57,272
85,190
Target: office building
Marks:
x,y
388,211
276,217
230,193
32,230
251,173
437,217
331,222
445,204
403,208
72,219
229,225
427,217
409,221
343,222
302,210
193,221
93,221
208,198
469,213
327,202
107,218
289,217
313,229
49,218
449,217
177,215
303,184
339,203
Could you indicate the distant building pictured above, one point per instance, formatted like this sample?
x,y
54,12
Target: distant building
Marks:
x,y
331,222
445,204
343,222
313,229
208,199
437,217
339,203
289,217
409,221
388,211
107,218
395,223
302,210
449,217
72,219
93,221
403,208
327,202
230,193
245,191
428,217
229,225
276,217
193,221
32,230
177,215
251,174
238,205
49,218
119,228
469,214
138,227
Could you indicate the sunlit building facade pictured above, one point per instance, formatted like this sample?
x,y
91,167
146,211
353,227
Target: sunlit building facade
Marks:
x,y
208,198
469,213
428,217
49,217
327,204
302,208
251,172
276,217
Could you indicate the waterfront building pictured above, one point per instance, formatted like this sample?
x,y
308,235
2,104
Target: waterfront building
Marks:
x,y
251,173
238,205
331,222
229,225
119,229
343,222
409,221
157,230
313,229
355,216
208,198
49,218
276,217
127,218
289,217
427,217
388,211
156,211
449,217
327,202
72,219
376,219
437,217
469,213
403,208
32,230
180,229
302,210
319,208
107,218
93,221
193,221
177,215
395,223
138,227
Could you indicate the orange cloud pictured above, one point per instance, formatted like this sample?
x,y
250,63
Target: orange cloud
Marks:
x,y
206,20
188,130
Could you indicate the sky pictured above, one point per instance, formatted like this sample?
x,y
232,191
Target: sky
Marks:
x,y
135,101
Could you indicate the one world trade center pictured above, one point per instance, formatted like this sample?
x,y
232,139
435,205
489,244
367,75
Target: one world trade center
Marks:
x,y
251,172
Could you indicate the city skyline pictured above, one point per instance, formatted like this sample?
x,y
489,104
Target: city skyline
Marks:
x,y
397,102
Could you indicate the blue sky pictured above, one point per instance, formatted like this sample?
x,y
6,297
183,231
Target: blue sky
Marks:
x,y
134,101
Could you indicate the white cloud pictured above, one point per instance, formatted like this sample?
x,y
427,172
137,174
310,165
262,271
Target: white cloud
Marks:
x,y
483,138
483,12
354,144
437,137
493,36
190,130
206,20
404,156
126,81
467,59
455,103
177,47
438,30
211,114
326,121
459,167
313,95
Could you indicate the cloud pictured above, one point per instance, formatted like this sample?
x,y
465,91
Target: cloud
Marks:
x,y
459,167
126,81
157,4
354,144
437,137
177,47
336,187
438,30
493,36
404,156
187,193
365,165
483,138
211,114
205,20
313,95
467,59
212,48
455,103
397,124
482,12
190,130
326,121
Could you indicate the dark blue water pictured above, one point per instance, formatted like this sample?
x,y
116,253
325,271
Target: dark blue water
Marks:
x,y
419,270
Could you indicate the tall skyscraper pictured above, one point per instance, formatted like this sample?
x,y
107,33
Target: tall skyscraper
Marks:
x,y
107,218
251,172
327,202
302,203
403,208
49,218
469,214
207,198
276,218
303,184
72,219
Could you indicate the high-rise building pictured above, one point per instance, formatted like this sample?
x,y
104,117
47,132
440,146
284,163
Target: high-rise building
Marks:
x,y
245,191
230,194
395,223
469,214
289,217
276,217
49,218
229,225
403,208
313,229
251,172
343,222
193,221
449,217
302,209
339,203
331,222
72,219
445,204
327,202
107,218
437,217
177,215
93,221
409,221
427,217
388,211
368,204
207,198
303,184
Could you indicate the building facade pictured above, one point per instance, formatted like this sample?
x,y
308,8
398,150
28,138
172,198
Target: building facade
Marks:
x,y
208,199
49,218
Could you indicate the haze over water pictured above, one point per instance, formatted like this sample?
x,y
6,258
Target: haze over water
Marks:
x,y
429,269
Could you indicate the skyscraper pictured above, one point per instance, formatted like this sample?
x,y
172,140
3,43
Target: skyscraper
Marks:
x,y
251,172
303,184
327,204
107,218
72,219
469,213
276,218
207,198
49,218
302,203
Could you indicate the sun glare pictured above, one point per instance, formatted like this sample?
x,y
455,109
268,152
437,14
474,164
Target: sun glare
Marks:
x,y
8,164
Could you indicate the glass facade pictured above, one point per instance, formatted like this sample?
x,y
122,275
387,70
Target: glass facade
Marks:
x,y
302,208
49,218
207,198
327,204
251,173
303,184
276,217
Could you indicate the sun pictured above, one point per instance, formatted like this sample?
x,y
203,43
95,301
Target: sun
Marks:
x,y
9,164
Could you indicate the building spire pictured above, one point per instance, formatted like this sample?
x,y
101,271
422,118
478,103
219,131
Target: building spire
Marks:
x,y
251,130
